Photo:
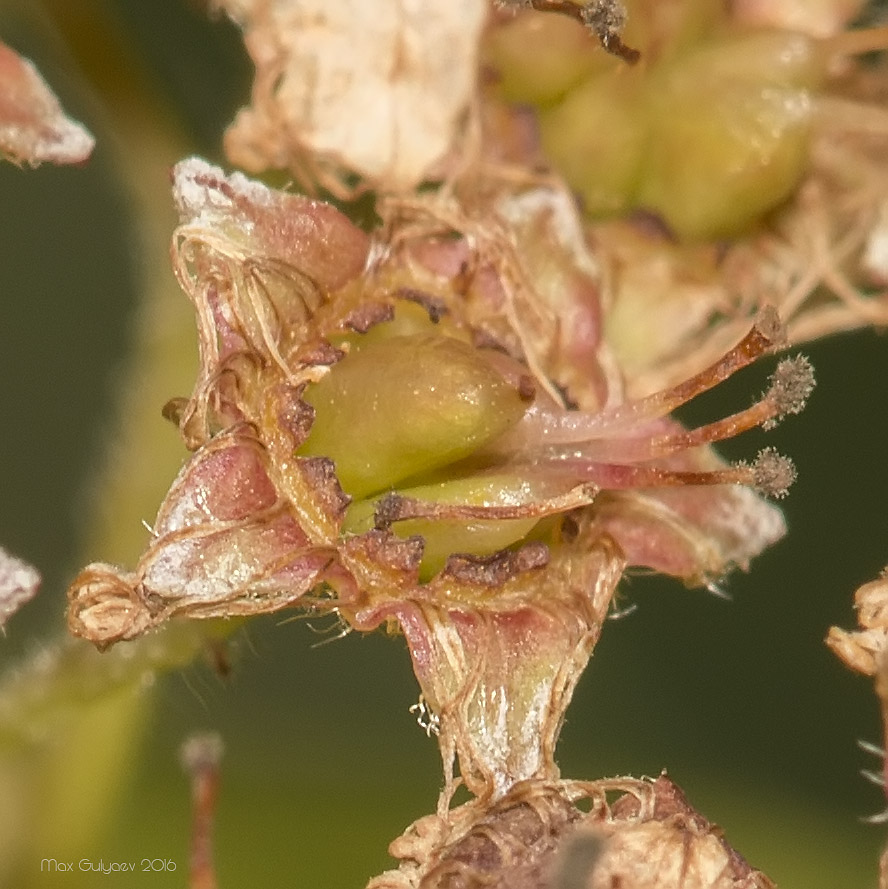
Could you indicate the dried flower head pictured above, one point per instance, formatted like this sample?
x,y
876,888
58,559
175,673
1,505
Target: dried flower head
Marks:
x,y
394,429
620,832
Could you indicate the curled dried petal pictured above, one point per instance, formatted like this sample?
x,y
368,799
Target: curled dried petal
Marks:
x,y
224,545
266,225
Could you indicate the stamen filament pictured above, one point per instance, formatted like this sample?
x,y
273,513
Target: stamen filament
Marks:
x,y
791,383
396,508
604,20
573,427
770,473
651,447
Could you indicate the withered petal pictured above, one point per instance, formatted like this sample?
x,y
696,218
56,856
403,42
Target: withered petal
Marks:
x,y
377,89
694,533
308,236
33,126
224,544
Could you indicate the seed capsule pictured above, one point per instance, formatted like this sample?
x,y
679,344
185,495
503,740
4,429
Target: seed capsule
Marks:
x,y
406,405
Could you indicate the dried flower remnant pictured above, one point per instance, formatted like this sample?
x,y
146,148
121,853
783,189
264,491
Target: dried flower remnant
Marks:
x,y
863,650
620,832
378,89
496,537
866,651
33,126
19,583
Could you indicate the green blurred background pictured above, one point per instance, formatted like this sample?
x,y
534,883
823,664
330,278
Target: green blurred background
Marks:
x,y
324,765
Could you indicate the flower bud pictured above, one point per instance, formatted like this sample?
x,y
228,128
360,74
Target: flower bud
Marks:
x,y
729,128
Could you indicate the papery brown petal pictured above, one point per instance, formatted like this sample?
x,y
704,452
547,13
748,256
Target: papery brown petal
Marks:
x,y
695,533
656,840
378,89
620,833
33,127
511,846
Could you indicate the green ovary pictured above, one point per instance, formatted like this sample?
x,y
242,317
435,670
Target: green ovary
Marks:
x,y
407,404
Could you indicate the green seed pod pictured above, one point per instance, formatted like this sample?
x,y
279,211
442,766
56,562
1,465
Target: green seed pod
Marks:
x,y
729,127
562,51
596,138
404,405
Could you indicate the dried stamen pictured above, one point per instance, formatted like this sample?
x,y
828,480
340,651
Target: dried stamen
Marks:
x,y
770,473
604,18
568,427
397,508
791,383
